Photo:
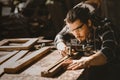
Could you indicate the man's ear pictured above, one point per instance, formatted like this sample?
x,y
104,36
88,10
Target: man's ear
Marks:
x,y
89,23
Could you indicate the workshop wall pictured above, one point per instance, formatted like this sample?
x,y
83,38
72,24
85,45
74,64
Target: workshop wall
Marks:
x,y
43,17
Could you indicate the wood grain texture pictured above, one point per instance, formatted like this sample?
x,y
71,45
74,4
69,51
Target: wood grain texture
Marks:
x,y
20,64
12,60
6,57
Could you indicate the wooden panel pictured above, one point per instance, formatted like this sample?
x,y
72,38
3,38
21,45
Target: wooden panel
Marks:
x,y
17,44
20,64
6,57
12,60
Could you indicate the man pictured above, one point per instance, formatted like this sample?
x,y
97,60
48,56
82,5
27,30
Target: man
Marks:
x,y
88,28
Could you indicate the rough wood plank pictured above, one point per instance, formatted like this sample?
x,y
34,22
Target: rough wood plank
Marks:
x,y
28,42
20,64
6,57
12,60
44,41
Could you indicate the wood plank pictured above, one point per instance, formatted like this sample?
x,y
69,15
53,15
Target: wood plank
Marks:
x,y
12,60
44,41
26,43
27,60
3,42
54,68
8,56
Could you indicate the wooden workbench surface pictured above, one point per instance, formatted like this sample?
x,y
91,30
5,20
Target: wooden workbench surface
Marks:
x,y
33,72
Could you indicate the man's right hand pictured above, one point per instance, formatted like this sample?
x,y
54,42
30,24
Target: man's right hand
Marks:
x,y
62,48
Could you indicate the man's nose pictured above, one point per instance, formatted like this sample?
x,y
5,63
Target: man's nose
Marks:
x,y
76,33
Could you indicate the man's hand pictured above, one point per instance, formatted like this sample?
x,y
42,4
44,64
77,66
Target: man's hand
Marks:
x,y
96,59
77,64
62,48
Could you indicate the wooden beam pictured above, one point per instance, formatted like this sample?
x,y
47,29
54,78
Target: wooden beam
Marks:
x,y
8,56
26,43
27,60
12,60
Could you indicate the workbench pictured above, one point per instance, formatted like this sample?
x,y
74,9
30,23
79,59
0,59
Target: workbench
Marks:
x,y
33,71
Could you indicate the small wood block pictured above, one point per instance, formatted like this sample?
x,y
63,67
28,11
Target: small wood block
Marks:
x,y
17,44
12,60
27,60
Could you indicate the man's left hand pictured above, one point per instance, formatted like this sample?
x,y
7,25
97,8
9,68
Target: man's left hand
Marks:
x,y
77,64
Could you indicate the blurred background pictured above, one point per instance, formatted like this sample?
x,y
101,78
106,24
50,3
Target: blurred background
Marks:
x,y
35,18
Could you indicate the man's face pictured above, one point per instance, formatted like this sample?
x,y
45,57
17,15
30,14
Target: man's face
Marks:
x,y
79,30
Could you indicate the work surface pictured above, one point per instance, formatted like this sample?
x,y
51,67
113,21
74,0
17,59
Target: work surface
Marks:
x,y
33,72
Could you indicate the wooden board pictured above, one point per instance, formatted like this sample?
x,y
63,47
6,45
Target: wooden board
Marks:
x,y
17,44
6,57
20,64
44,41
12,60
54,68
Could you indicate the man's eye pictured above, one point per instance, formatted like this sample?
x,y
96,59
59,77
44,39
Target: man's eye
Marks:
x,y
78,27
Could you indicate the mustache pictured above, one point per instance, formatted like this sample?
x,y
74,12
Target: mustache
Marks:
x,y
79,36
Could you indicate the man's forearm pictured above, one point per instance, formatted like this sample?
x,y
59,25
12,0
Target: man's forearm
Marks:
x,y
98,59
60,36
